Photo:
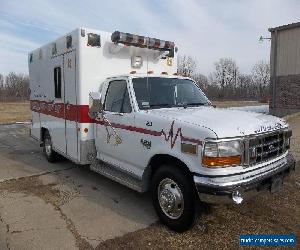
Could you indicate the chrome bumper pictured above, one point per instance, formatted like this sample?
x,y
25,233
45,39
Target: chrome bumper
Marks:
x,y
225,189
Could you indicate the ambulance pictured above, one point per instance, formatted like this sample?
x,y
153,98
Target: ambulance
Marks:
x,y
114,101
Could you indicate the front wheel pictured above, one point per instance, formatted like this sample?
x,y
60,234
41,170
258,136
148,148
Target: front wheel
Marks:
x,y
173,195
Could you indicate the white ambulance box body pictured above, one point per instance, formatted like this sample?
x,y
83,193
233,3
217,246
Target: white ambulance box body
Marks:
x,y
64,72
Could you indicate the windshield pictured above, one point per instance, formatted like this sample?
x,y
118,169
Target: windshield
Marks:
x,y
158,92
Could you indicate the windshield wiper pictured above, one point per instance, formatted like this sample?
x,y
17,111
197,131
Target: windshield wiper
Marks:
x,y
195,104
160,105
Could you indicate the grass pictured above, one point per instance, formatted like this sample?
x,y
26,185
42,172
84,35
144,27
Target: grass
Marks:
x,y
11,112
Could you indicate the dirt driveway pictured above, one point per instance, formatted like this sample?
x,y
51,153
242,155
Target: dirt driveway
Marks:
x,y
62,206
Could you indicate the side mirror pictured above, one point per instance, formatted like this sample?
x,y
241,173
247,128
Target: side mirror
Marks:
x,y
95,105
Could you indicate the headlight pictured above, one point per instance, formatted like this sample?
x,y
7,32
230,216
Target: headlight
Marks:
x,y
220,154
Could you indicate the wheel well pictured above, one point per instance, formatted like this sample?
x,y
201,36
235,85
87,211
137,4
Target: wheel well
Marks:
x,y
161,159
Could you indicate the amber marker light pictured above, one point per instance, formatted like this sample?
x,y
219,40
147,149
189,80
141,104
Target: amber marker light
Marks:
x,y
221,161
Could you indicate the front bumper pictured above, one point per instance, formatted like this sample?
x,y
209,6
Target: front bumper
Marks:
x,y
223,189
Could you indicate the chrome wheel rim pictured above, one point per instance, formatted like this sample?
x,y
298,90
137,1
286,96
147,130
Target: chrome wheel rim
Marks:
x,y
170,198
48,146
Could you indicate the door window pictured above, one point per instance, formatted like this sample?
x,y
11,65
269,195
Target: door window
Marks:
x,y
57,82
117,97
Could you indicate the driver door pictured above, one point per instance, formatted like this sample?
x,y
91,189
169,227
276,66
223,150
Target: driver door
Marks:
x,y
113,137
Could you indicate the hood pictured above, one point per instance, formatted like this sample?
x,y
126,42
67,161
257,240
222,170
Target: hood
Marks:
x,y
224,122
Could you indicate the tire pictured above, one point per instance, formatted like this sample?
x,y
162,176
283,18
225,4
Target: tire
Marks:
x,y
174,197
50,154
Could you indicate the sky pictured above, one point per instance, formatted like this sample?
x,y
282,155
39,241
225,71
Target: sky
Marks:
x,y
205,30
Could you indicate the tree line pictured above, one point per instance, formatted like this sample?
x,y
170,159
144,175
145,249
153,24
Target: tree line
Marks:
x,y
14,87
226,82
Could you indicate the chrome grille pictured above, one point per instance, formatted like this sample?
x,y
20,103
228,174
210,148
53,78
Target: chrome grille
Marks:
x,y
265,147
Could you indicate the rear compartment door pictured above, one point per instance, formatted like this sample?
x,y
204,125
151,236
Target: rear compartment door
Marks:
x,y
71,108
56,113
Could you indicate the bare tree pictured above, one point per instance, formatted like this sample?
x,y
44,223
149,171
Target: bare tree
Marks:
x,y
226,73
225,77
245,89
186,65
16,86
1,81
261,78
201,80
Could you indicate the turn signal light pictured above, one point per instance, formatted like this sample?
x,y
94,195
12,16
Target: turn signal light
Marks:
x,y
215,162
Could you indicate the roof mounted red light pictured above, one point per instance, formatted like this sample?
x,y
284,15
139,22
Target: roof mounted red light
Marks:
x,y
143,42
164,73
150,72
132,72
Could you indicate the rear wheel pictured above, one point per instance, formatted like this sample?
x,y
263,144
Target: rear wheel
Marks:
x,y
51,156
173,195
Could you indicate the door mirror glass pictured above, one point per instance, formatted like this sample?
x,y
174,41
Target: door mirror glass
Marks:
x,y
95,105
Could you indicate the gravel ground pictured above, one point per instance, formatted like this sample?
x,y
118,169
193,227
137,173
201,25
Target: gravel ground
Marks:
x,y
219,227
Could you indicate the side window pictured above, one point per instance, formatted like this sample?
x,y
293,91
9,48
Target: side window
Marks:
x,y
69,42
126,108
117,97
57,82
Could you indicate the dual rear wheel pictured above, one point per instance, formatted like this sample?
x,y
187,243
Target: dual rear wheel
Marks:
x,y
50,154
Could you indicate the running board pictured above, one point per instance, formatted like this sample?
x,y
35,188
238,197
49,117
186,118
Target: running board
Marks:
x,y
119,175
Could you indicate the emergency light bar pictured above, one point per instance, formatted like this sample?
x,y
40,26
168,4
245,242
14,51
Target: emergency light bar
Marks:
x,y
143,42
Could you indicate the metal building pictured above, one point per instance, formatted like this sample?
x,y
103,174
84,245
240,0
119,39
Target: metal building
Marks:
x,y
285,69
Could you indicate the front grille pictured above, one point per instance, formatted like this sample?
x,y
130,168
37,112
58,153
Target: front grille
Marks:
x,y
265,147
